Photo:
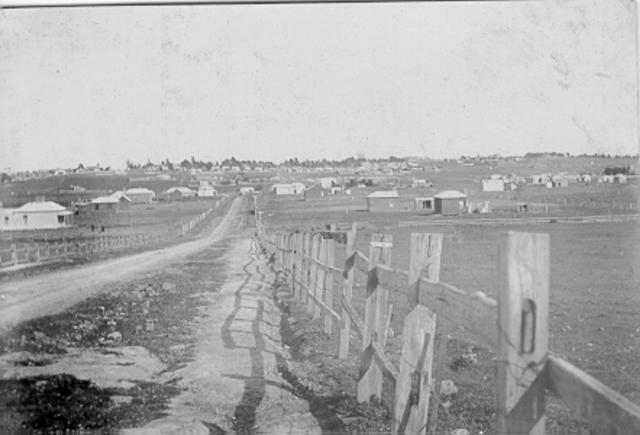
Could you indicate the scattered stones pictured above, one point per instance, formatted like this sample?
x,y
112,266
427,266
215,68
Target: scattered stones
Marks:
x,y
169,287
114,336
447,388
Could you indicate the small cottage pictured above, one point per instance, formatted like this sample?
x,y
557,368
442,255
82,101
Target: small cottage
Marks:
x,y
382,200
450,202
45,215
178,194
140,195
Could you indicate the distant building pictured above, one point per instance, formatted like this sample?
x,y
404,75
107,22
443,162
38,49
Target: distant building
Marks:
x,y
178,194
620,179
327,182
247,190
424,203
108,204
315,192
206,191
382,200
420,182
140,195
450,202
493,185
298,188
478,207
282,189
585,178
44,215
560,182
540,179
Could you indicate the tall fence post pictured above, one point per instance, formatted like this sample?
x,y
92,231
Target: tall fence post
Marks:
x,y
330,256
320,275
523,332
413,388
375,324
14,254
347,291
313,269
306,276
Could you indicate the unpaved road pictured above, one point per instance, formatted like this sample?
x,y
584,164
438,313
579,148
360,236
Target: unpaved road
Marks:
x,y
54,292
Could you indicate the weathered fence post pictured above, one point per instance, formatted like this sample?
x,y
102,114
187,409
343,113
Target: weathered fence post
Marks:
x,y
370,382
318,289
413,386
14,254
330,256
523,332
347,291
313,271
306,266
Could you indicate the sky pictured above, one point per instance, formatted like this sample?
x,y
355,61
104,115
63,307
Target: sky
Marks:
x,y
316,81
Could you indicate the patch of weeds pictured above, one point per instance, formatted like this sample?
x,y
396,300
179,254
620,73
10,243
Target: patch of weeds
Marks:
x,y
57,403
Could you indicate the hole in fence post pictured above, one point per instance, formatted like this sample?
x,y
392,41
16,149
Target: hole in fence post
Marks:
x,y
528,327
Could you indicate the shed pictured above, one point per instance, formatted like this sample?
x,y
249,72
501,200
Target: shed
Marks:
x,y
178,194
450,202
282,189
108,204
493,185
140,195
382,200
424,203
206,191
37,216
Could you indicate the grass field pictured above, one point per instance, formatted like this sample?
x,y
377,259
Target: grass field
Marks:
x,y
595,304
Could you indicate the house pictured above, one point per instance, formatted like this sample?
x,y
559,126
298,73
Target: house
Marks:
x,y
36,216
298,188
493,185
478,207
282,189
420,182
140,195
585,178
288,189
424,203
450,202
540,179
327,182
206,191
178,194
247,190
620,179
383,200
560,182
316,191
108,204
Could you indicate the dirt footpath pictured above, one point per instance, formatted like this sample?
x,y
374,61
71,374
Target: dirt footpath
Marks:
x,y
233,383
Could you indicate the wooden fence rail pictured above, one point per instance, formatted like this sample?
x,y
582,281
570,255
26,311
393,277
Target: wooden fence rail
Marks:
x,y
516,325
26,254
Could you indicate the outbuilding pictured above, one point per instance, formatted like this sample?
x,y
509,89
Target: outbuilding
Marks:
x,y
108,204
45,215
424,203
450,202
178,194
140,195
382,200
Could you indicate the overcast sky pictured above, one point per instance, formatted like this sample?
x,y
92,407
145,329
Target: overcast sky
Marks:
x,y
312,81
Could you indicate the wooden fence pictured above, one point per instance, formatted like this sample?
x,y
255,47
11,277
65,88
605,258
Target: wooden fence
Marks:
x,y
28,254
516,325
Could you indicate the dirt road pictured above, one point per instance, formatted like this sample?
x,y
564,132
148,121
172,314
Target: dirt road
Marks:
x,y
54,292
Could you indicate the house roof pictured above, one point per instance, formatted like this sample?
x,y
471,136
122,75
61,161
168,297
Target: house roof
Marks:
x,y
383,194
183,190
105,200
450,194
138,190
40,207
